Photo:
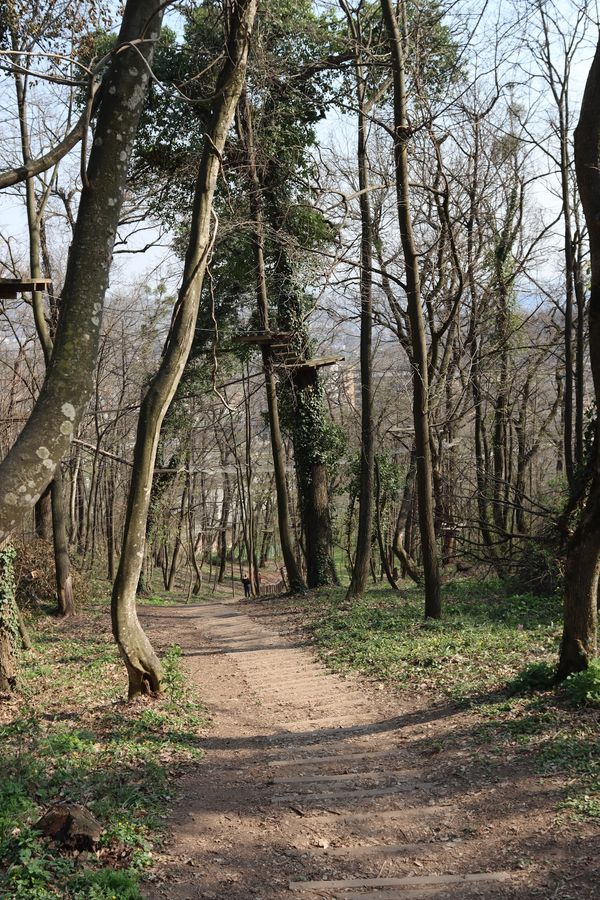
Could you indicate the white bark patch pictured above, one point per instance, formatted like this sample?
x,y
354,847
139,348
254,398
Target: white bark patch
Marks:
x,y
42,452
112,89
48,462
137,95
68,410
112,201
66,427
122,156
11,499
133,71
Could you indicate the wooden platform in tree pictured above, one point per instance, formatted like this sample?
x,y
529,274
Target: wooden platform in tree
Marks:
x,y
283,356
11,287
275,339
316,363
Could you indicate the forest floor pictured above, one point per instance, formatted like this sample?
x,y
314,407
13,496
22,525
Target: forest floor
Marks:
x,y
409,772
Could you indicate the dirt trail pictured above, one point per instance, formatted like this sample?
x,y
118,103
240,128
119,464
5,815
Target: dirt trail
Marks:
x,y
314,785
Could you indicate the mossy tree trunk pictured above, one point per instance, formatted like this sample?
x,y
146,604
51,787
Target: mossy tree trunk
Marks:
x,y
142,664
309,425
30,465
9,623
294,573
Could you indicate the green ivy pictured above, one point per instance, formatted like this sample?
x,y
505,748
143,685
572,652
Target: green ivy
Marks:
x,y
9,623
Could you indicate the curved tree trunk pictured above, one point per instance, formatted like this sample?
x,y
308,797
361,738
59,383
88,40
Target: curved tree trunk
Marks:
x,y
29,466
579,638
142,664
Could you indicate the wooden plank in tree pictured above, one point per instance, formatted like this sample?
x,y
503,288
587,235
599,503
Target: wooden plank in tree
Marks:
x,y
316,363
265,337
11,287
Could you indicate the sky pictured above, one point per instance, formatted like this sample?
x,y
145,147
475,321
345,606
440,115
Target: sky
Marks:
x,y
159,263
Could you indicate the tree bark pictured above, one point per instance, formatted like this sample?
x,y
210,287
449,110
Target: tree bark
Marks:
x,y
578,646
360,569
385,563
142,664
295,579
421,415
64,582
43,516
29,466
9,623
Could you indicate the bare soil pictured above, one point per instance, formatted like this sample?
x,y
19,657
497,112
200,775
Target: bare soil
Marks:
x,y
316,785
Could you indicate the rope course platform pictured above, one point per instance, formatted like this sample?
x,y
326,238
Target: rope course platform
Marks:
x,y
282,355
11,287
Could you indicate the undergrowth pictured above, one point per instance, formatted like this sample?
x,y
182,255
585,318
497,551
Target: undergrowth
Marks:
x,y
484,638
69,736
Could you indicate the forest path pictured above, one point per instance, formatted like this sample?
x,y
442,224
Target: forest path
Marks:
x,y
315,785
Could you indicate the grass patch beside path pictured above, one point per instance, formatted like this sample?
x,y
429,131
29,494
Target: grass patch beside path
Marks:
x,y
484,638
68,735
488,642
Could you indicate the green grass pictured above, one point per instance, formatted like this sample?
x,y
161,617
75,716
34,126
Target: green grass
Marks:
x,y
159,601
71,737
484,638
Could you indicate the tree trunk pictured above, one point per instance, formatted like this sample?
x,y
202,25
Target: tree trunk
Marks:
x,y
64,582
429,550
222,540
578,645
43,516
142,664
308,411
178,542
29,466
362,560
292,566
385,563
9,626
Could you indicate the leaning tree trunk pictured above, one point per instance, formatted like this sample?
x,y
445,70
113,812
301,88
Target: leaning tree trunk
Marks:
x,y
142,664
421,415
29,466
579,637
